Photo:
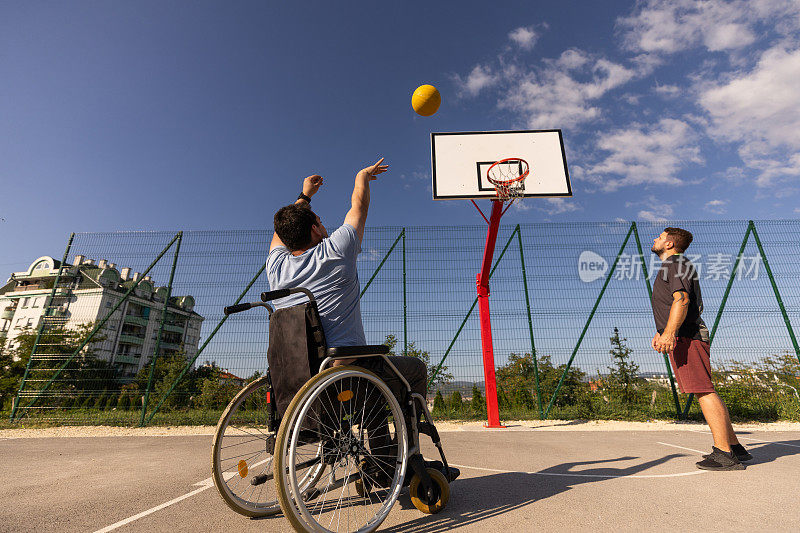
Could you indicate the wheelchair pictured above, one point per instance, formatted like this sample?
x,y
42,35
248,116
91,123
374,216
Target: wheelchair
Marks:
x,y
329,446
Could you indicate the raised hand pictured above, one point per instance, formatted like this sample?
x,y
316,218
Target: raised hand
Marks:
x,y
312,184
373,170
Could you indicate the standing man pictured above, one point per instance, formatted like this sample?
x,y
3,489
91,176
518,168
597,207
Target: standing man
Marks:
x,y
681,333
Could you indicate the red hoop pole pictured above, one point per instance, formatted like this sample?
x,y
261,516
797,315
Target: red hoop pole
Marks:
x,y
482,282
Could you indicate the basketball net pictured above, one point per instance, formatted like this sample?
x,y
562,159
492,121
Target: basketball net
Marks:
x,y
508,177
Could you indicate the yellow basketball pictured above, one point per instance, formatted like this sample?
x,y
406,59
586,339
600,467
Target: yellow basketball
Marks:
x,y
426,100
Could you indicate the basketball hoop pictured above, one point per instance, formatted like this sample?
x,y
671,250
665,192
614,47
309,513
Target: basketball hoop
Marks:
x,y
508,177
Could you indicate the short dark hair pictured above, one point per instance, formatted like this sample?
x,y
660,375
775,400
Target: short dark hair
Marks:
x,y
679,237
293,226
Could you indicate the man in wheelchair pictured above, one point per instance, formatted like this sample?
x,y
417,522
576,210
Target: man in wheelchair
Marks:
x,y
303,254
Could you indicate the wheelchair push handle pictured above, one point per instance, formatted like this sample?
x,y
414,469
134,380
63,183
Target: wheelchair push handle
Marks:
x,y
283,293
238,308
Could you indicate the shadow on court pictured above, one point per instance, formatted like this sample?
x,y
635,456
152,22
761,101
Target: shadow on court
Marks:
x,y
767,452
481,498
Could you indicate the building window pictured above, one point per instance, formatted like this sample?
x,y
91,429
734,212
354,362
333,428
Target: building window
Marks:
x,y
25,302
29,323
36,302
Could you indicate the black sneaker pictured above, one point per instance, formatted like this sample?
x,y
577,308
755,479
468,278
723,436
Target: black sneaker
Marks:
x,y
740,453
737,450
719,460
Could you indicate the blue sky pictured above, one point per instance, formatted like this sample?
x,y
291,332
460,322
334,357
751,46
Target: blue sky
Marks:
x,y
198,115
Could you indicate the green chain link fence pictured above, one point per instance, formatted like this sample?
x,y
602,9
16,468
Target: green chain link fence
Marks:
x,y
570,309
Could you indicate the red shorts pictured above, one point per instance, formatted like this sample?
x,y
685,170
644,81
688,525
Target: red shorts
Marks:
x,y
692,365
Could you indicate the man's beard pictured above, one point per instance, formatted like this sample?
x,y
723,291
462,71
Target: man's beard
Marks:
x,y
655,250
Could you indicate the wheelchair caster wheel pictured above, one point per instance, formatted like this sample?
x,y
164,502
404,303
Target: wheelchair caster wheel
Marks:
x,y
441,494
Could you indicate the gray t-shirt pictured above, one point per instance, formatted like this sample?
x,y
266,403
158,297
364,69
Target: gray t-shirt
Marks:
x,y
328,270
677,273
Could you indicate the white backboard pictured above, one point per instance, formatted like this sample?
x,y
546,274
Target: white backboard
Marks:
x,y
459,161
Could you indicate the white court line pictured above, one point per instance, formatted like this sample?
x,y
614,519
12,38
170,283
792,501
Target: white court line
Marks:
x,y
205,484
570,474
682,447
151,511
757,441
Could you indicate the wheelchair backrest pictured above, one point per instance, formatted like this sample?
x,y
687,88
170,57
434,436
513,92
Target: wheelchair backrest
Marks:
x,y
296,349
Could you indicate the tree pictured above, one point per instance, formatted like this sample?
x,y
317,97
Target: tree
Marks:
x,y
622,380
438,402
165,374
478,403
516,380
442,376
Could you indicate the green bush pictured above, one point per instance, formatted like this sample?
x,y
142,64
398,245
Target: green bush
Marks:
x,y
439,406
478,402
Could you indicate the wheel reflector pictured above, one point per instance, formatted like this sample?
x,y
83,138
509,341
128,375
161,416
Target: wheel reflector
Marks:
x,y
345,395
243,468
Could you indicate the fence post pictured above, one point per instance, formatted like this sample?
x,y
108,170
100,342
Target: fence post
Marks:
x,y
722,303
161,328
405,299
464,322
100,325
777,293
588,321
48,303
530,322
650,297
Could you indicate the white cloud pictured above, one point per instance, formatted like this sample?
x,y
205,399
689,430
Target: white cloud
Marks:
x,y
643,155
656,214
524,37
716,206
572,59
760,111
562,93
669,26
557,206
668,91
481,77
797,210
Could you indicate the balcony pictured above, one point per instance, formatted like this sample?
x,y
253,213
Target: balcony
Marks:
x,y
131,339
170,346
136,319
175,328
127,359
8,313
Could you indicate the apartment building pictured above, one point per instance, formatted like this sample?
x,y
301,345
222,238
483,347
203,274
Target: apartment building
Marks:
x,y
87,292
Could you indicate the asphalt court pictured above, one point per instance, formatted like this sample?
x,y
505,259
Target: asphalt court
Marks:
x,y
522,479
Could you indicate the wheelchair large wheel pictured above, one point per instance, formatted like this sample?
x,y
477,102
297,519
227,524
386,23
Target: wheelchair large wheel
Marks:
x,y
242,454
359,422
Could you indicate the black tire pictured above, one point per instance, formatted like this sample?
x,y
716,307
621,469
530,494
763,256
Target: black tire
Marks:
x,y
442,490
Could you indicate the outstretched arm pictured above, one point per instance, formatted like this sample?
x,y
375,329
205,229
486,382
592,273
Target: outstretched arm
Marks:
x,y
357,216
310,187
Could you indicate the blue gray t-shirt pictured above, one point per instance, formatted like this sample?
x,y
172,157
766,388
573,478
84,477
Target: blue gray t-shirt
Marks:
x,y
328,270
